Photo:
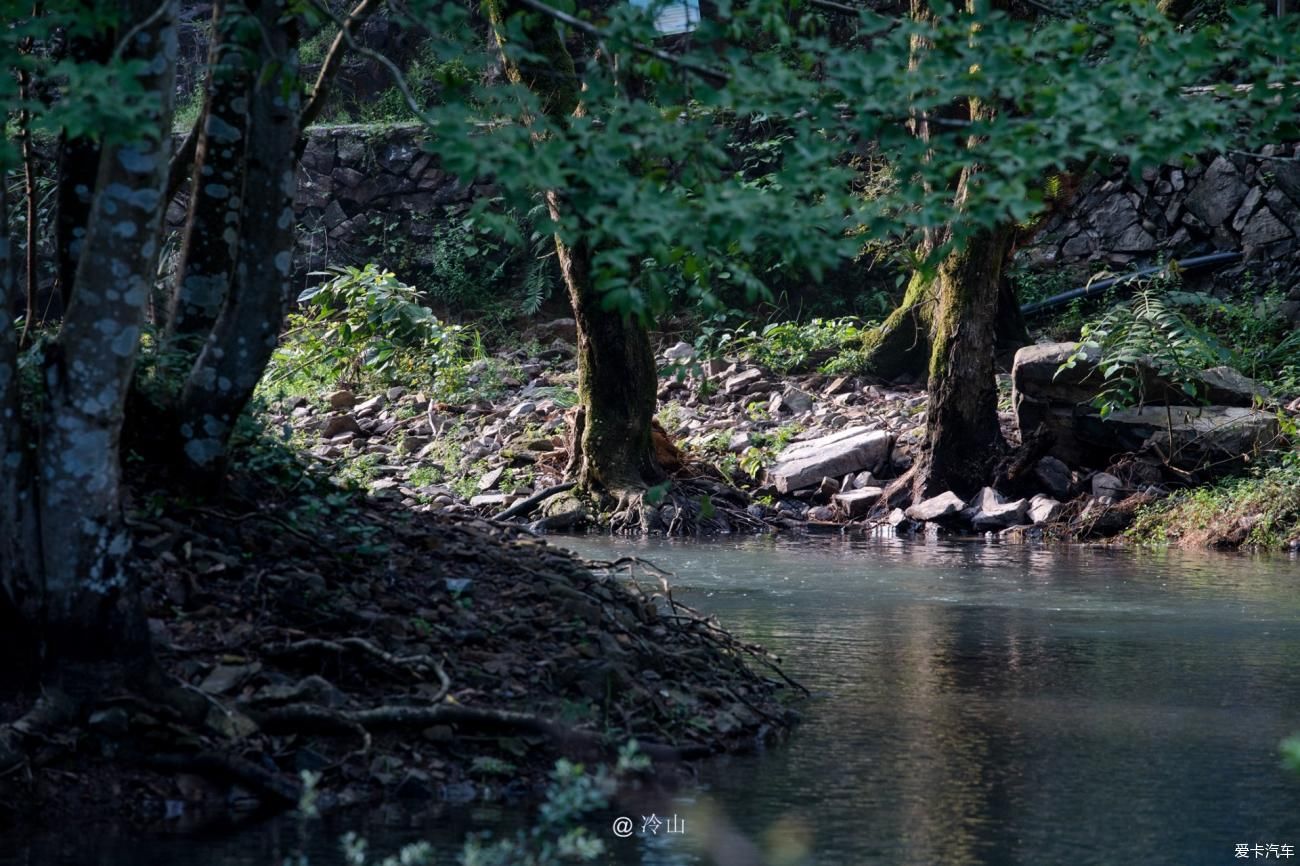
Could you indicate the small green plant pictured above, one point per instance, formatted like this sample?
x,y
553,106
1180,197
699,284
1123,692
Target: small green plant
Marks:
x,y
1146,332
557,837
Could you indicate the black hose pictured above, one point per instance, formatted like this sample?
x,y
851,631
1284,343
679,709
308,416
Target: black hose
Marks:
x,y
1094,289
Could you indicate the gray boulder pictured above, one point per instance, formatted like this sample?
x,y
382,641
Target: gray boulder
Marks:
x,y
1043,509
945,505
1002,516
1044,394
990,510
1105,484
1189,437
1054,476
858,502
849,450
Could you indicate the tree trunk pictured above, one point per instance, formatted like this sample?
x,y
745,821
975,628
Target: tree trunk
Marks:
x,y
963,437
617,384
20,597
78,170
210,239
231,363
617,387
91,612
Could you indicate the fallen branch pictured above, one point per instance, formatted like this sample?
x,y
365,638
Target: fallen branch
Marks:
x,y
270,786
299,717
527,505
417,664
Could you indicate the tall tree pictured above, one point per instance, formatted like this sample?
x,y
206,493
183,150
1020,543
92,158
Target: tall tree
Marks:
x,y
612,452
62,568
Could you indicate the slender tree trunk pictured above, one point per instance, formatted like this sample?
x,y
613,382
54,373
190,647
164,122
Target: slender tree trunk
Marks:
x,y
91,612
247,331
617,384
20,595
210,239
31,267
78,169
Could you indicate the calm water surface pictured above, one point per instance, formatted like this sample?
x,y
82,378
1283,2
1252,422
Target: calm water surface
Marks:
x,y
975,704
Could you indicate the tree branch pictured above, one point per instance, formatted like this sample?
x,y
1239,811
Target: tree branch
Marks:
x,y
399,80
714,76
320,90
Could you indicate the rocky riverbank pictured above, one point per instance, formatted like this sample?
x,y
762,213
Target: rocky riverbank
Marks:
x,y
802,452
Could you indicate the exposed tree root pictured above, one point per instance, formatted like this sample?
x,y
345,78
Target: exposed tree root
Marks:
x,y
312,718
466,637
275,789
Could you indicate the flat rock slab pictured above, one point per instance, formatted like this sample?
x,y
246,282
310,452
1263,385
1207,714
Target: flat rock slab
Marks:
x,y
850,450
858,502
937,507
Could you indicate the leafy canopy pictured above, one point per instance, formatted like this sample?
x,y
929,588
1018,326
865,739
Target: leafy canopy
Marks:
x,y
648,175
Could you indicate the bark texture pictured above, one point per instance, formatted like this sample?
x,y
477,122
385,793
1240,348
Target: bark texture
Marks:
x,y
617,383
90,611
246,332
963,437
211,236
617,387
78,170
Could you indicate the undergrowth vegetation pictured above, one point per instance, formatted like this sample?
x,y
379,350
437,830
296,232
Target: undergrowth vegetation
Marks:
x,y
1260,510
1180,333
363,325
784,347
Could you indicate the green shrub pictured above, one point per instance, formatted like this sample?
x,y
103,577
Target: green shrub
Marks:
x,y
365,324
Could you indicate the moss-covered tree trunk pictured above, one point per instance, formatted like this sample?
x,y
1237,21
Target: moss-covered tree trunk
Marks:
x,y
963,436
617,384
898,349
613,452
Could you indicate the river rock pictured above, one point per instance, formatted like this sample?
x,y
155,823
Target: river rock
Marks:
x,y
1105,484
937,507
339,425
1054,476
1043,509
679,352
491,500
856,503
371,406
1001,515
796,401
343,399
849,450
741,383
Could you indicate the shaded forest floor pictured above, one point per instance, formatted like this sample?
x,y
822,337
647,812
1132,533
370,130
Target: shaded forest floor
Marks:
x,y
398,655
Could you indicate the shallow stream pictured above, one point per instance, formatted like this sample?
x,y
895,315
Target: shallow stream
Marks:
x,y
975,704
